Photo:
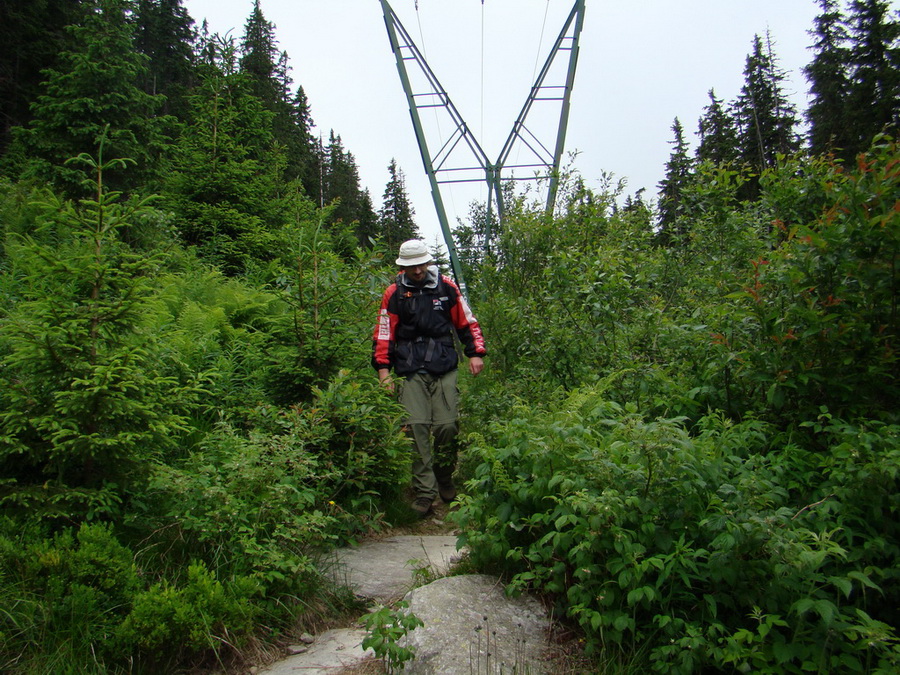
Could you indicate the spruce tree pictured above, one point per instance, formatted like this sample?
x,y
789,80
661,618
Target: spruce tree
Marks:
x,y
304,160
671,188
396,218
84,403
164,33
259,56
874,101
765,118
638,211
828,82
32,34
226,186
268,71
94,91
367,226
717,133
341,184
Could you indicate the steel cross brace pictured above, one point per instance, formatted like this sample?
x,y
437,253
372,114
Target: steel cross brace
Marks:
x,y
434,96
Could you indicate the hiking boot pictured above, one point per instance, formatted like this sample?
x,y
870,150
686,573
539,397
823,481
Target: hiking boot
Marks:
x,y
422,506
447,490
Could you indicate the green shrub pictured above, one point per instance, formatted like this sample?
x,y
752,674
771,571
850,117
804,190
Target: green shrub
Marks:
x,y
680,547
815,322
66,595
84,403
202,614
264,504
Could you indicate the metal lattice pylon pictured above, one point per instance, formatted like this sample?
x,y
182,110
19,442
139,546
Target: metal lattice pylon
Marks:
x,y
443,166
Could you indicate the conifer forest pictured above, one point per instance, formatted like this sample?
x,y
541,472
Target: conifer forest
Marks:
x,y
686,439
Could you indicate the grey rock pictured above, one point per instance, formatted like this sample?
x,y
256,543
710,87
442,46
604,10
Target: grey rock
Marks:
x,y
471,627
332,652
386,569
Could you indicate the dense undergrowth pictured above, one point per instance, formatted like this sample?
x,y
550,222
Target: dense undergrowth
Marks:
x,y
690,446
695,450
177,447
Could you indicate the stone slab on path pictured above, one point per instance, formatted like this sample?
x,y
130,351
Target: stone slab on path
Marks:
x,y
386,569
333,651
471,626
382,570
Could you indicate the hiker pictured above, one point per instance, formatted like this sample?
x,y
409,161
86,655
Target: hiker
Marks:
x,y
414,336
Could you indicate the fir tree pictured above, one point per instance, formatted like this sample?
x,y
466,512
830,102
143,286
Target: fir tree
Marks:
x,y
304,160
717,133
874,101
829,85
94,87
85,404
341,184
439,252
638,211
396,218
765,118
678,174
32,34
259,58
226,185
367,226
268,71
164,32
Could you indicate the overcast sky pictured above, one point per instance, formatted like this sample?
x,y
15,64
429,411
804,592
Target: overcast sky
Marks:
x,y
642,63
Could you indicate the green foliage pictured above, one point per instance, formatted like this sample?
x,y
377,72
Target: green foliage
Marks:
x,y
225,186
691,548
688,443
387,628
816,324
202,614
759,538
84,404
396,221
330,308
216,330
765,116
71,590
262,505
92,92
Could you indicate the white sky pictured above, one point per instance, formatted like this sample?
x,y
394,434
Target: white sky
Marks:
x,y
641,64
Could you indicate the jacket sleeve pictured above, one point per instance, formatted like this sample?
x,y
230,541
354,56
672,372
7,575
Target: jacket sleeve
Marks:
x,y
465,323
385,328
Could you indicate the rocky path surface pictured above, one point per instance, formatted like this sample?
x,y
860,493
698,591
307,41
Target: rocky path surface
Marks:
x,y
471,627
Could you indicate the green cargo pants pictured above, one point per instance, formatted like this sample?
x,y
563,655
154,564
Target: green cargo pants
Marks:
x,y
432,408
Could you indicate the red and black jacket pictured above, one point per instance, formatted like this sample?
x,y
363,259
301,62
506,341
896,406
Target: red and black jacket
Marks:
x,y
416,325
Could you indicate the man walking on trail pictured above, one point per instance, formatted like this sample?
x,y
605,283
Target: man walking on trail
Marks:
x,y
419,313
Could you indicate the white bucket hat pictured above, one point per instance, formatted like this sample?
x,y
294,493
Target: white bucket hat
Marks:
x,y
412,253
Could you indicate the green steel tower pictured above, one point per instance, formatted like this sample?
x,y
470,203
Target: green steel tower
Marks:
x,y
444,165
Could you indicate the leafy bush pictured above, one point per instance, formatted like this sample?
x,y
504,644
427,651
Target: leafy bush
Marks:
x,y
815,322
688,549
71,590
203,614
263,504
387,629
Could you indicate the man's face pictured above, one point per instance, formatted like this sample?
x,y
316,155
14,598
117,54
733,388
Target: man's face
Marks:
x,y
416,273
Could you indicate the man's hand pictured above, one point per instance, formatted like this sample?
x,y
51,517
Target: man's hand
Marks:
x,y
476,364
384,377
